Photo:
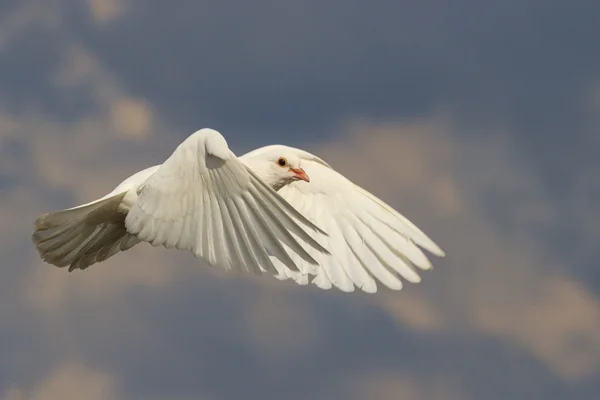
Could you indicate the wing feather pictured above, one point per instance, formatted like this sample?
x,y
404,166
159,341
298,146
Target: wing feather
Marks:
x,y
203,199
268,236
368,240
251,238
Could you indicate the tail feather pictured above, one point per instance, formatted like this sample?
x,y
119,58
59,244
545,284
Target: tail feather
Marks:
x,y
82,236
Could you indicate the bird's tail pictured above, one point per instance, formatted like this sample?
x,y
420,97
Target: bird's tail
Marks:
x,y
84,235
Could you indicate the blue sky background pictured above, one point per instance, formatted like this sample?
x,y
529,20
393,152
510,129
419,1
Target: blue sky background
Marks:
x,y
479,120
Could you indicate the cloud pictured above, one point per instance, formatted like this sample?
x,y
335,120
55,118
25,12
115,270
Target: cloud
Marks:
x,y
19,19
560,324
413,310
393,385
105,11
279,326
272,74
132,118
48,288
69,381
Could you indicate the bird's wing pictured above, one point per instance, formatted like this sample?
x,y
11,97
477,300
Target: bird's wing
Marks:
x,y
203,199
368,240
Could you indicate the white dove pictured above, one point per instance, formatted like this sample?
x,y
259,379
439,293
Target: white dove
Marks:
x,y
257,213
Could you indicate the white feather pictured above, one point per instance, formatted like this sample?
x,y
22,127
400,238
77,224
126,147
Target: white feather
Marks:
x,y
203,199
368,240
225,210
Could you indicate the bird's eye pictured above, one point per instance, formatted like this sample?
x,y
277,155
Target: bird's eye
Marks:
x,y
282,162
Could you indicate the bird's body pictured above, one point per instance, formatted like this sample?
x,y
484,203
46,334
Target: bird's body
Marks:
x,y
276,209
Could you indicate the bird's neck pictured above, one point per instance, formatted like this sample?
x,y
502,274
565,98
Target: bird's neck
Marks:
x,y
278,185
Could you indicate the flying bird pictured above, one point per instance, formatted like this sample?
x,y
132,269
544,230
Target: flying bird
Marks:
x,y
276,210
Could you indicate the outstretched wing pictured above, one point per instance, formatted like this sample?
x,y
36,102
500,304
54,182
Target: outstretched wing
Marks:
x,y
368,240
203,199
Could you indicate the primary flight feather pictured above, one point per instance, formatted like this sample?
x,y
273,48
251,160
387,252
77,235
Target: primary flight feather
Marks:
x,y
276,209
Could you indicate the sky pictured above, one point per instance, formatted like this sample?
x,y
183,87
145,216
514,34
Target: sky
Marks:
x,y
478,120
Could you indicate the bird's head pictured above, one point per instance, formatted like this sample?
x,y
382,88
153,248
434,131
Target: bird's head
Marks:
x,y
277,166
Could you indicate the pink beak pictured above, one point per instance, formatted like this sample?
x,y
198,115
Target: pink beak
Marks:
x,y
300,174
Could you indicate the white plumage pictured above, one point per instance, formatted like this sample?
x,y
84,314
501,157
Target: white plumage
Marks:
x,y
276,209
